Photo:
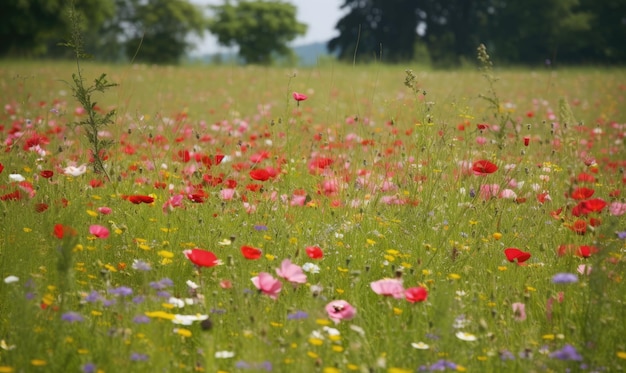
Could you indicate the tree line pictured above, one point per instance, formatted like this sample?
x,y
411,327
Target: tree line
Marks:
x,y
515,32
442,32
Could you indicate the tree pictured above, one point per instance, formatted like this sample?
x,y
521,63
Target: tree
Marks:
x,y
261,29
157,30
35,28
385,29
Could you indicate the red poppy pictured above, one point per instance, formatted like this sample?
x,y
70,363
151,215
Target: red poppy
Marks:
x,y
61,230
484,167
513,254
96,183
250,252
299,96
586,178
586,251
482,126
594,205
526,140
13,196
201,258
209,161
41,207
260,174
184,156
417,294
580,227
137,199
46,174
582,193
1,167
314,252
254,187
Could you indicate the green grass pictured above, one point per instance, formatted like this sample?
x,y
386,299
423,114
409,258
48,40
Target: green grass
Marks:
x,y
439,233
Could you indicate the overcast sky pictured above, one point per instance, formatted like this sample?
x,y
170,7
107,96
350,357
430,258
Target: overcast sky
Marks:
x,y
321,16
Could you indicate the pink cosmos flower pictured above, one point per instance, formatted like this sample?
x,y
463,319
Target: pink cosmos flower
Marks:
x,y
227,193
519,311
105,210
389,287
617,208
172,202
487,191
291,272
267,284
338,310
99,231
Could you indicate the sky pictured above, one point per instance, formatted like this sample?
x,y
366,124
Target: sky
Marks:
x,y
320,16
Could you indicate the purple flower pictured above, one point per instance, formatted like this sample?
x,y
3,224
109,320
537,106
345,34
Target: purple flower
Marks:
x,y
89,368
161,284
163,294
141,319
260,228
140,265
94,296
121,291
72,317
568,352
442,365
564,278
621,235
297,315
135,356
139,299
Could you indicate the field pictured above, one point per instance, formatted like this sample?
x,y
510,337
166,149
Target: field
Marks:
x,y
379,220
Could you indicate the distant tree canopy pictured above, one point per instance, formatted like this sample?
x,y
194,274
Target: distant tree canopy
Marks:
x,y
261,29
525,32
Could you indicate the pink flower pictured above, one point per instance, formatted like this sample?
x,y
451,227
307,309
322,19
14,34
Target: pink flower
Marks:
x,y
418,294
267,284
617,208
299,97
99,231
105,210
389,287
227,193
173,202
338,310
291,272
487,191
519,311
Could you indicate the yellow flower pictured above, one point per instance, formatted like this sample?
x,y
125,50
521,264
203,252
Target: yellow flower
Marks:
x,y
496,236
337,348
38,362
330,370
27,230
370,242
454,276
269,257
316,341
397,311
399,370
166,254
352,367
548,337
160,315
312,355
92,213
6,369
621,354
322,322
502,268
183,332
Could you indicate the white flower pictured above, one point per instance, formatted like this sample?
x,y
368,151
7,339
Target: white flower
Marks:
x,y
466,336
310,268
192,285
16,178
331,331
75,171
420,345
176,302
11,279
224,354
189,319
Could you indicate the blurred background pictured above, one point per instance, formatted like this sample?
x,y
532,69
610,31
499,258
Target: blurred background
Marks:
x,y
439,33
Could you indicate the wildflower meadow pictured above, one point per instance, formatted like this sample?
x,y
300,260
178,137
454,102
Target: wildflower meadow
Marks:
x,y
325,219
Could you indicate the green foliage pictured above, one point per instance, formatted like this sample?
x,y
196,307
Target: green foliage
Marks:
x,y
261,29
94,121
35,27
159,29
